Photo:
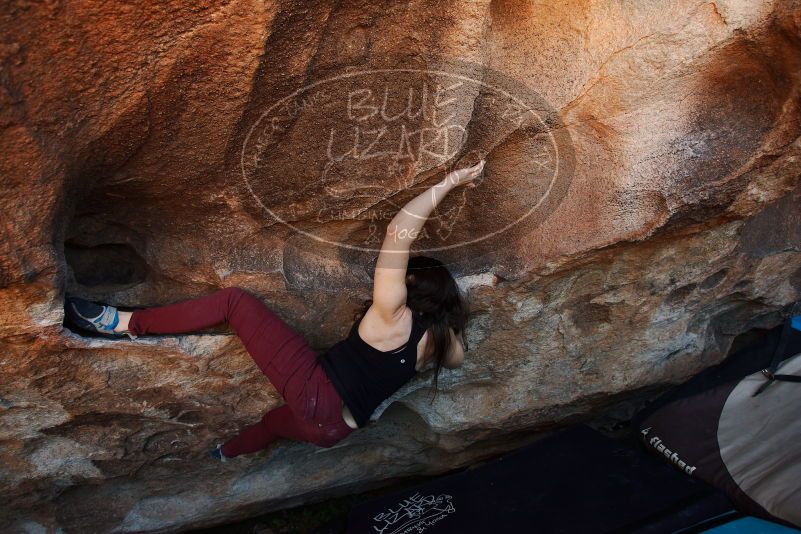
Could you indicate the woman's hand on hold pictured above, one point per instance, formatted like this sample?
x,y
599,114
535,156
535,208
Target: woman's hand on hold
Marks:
x,y
466,176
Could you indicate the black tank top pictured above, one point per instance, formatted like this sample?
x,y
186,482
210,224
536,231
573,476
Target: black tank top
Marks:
x,y
365,376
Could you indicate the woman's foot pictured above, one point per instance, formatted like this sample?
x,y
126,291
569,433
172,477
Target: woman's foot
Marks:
x,y
96,317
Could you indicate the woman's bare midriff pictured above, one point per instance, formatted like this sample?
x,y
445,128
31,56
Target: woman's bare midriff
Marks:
x,y
348,417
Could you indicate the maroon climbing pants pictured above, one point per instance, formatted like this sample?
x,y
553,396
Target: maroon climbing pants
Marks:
x,y
313,408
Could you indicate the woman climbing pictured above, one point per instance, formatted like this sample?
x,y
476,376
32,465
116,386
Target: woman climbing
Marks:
x,y
414,318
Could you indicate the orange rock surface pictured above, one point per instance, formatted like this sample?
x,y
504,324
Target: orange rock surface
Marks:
x,y
640,208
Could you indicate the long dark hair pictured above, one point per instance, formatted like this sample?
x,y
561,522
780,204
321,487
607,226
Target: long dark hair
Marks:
x,y
432,291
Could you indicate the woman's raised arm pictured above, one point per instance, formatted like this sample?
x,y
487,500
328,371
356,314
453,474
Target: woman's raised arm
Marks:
x,y
389,281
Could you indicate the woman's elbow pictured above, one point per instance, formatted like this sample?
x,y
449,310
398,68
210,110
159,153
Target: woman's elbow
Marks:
x,y
454,360
454,365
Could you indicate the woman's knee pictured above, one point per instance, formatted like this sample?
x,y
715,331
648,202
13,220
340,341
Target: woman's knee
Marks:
x,y
330,435
233,291
235,295
237,306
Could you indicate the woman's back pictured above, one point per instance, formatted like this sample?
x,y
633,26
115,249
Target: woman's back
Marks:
x,y
384,338
364,375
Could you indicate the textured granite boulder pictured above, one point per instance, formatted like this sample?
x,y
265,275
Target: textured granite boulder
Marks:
x,y
640,208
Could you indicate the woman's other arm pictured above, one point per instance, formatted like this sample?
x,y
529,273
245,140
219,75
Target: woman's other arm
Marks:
x,y
455,356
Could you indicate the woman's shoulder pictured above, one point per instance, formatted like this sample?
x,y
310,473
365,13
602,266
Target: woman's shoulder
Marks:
x,y
400,317
373,327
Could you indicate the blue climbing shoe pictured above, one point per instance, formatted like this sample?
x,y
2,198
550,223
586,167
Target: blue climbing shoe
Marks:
x,y
93,317
217,453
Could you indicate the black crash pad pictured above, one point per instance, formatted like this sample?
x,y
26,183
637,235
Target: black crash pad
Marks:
x,y
575,481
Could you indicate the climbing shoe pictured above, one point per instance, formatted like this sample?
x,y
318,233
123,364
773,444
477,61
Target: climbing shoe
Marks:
x,y
93,317
217,453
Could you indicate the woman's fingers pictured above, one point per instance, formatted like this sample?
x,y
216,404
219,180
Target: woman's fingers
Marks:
x,y
476,169
465,175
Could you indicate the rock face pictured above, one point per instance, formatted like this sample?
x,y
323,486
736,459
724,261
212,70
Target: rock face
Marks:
x,y
640,209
